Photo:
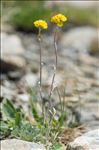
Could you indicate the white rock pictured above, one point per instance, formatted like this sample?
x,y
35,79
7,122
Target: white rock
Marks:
x,y
15,144
59,77
81,4
11,44
23,97
30,79
88,141
79,38
6,92
12,49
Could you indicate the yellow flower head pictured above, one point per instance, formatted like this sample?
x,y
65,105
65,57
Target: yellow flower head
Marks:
x,y
59,19
41,24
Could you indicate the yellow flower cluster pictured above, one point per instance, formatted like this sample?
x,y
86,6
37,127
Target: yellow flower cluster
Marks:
x,y
59,19
41,24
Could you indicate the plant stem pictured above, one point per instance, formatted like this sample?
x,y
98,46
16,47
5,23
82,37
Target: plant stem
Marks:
x,y
55,46
39,39
55,67
59,98
40,82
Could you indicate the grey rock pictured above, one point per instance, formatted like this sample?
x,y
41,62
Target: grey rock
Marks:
x,y
89,60
6,92
89,111
11,44
14,76
6,27
79,38
7,66
81,4
8,89
94,48
12,50
23,97
15,144
88,141
30,79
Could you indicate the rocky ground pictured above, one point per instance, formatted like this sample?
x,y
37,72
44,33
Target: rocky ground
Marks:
x,y
88,141
78,70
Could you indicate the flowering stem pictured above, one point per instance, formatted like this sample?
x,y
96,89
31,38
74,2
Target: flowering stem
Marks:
x,y
39,39
55,67
59,98
40,82
55,46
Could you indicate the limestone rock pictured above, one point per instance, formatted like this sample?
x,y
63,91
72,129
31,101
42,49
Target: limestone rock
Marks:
x,y
88,141
30,79
7,93
15,144
11,51
79,38
79,4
